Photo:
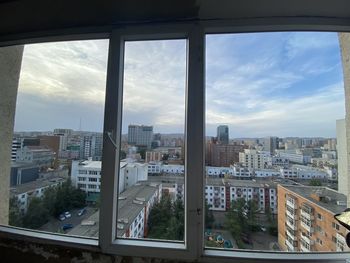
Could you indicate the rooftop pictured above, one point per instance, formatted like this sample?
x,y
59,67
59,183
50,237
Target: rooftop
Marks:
x,y
31,186
131,202
329,198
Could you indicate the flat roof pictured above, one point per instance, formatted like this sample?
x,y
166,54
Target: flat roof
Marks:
x,y
127,210
31,186
330,197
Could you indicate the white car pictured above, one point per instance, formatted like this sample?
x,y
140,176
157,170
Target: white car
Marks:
x,y
67,214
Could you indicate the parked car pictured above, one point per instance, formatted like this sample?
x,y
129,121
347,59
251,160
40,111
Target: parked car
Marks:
x,y
61,217
67,214
81,212
67,226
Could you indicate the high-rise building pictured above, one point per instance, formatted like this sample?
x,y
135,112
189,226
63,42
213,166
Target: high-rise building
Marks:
x,y
222,134
225,155
271,144
140,135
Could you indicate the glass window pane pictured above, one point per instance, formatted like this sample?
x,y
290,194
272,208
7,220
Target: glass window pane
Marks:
x,y
151,177
273,104
57,143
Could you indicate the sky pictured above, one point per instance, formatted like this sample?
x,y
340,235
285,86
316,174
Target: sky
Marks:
x,y
259,84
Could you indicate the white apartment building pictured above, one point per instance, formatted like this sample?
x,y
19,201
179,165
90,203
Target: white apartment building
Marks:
x,y
173,169
86,175
304,172
154,167
294,156
213,171
25,192
277,161
253,159
219,193
215,195
267,173
240,171
134,206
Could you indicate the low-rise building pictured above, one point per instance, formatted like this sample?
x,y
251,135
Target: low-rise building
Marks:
x,y
134,206
86,175
25,192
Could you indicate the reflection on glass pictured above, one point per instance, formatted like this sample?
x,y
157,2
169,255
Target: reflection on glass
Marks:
x,y
272,101
151,177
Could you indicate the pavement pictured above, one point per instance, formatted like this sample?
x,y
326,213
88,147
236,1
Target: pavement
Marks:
x,y
54,225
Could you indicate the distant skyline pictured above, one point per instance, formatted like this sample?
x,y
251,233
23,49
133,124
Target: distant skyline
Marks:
x,y
259,84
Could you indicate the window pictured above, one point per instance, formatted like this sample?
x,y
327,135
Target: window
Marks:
x,y
58,122
114,136
153,103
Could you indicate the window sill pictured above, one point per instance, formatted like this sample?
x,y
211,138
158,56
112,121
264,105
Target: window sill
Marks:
x,y
40,237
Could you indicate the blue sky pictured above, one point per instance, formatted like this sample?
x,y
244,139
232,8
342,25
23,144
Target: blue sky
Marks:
x,y
283,84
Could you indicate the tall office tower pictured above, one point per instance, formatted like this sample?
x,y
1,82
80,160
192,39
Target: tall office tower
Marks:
x,y
222,134
140,135
343,175
270,144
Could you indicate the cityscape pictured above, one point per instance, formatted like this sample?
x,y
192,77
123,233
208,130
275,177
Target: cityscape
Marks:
x,y
276,168
284,190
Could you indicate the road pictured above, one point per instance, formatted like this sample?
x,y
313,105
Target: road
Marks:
x,y
54,224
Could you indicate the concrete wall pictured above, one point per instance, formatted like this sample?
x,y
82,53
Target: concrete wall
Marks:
x,y
344,40
10,67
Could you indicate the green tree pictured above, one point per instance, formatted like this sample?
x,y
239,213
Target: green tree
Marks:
x,y
252,211
15,215
122,155
209,217
36,215
166,220
315,182
236,219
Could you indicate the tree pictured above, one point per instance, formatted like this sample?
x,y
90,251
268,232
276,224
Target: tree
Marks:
x,y
36,215
236,219
315,182
166,220
15,216
209,217
122,155
252,210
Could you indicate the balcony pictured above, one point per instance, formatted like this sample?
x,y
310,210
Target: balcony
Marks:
x,y
306,227
291,225
307,240
290,245
291,215
291,203
291,234
303,248
308,214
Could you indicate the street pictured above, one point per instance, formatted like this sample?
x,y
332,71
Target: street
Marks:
x,y
54,224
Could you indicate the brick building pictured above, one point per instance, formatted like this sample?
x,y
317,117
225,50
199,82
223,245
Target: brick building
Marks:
x,y
306,219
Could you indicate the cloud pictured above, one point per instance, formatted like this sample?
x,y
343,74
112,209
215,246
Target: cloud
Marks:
x,y
284,84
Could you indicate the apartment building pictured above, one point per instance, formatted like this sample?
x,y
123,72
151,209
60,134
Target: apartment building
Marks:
x,y
252,159
86,175
25,192
306,219
140,135
134,206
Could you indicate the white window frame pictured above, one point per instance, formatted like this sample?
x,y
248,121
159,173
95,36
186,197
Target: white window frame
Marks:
x,y
193,248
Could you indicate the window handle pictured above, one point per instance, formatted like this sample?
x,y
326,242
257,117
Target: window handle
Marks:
x,y
109,134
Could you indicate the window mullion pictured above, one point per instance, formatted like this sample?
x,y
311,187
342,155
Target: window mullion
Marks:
x,y
195,142
111,142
